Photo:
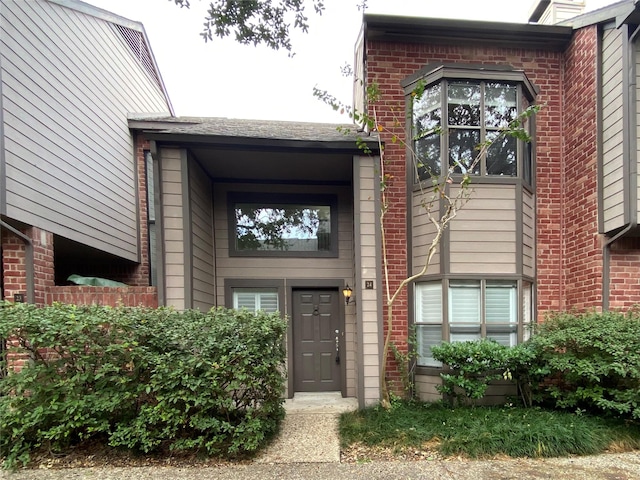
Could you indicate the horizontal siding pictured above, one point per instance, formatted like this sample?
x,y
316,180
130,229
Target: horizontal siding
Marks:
x,y
68,82
201,201
612,131
290,268
423,232
172,221
366,220
483,234
528,234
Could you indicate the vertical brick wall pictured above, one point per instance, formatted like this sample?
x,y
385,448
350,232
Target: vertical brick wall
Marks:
x,y
43,267
388,64
625,278
581,250
14,263
139,275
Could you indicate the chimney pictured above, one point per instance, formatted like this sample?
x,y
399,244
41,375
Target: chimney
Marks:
x,y
550,12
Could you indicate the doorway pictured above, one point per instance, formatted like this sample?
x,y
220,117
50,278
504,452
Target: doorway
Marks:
x,y
317,341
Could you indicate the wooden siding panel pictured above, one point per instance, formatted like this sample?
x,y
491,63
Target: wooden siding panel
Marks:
x,y
367,229
490,214
68,82
201,202
173,224
528,234
612,130
423,232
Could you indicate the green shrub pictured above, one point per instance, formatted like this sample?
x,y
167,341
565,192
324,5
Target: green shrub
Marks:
x,y
592,361
141,379
473,365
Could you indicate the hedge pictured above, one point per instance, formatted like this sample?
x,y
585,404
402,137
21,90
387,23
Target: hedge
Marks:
x,y
139,378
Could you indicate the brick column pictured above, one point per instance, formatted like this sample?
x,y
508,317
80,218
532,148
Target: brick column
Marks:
x,y
13,265
14,261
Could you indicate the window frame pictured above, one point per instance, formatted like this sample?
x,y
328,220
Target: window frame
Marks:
x,y
257,292
524,290
442,74
234,198
233,284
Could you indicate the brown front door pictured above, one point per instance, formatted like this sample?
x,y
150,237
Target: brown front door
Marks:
x,y
317,337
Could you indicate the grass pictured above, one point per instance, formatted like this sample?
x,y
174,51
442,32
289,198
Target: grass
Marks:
x,y
480,432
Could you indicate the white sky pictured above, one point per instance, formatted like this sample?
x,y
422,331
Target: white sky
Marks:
x,y
224,79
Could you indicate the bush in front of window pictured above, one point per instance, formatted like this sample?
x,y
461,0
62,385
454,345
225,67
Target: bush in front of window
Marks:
x,y
473,365
592,362
143,379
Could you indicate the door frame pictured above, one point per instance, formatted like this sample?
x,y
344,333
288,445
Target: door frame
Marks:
x,y
335,285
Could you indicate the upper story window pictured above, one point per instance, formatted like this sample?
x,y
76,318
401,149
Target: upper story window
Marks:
x,y
264,224
461,108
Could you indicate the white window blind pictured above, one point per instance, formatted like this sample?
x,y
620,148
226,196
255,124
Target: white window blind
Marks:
x,y
428,310
256,299
464,302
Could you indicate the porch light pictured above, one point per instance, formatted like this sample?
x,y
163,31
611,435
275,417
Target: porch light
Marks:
x,y
346,291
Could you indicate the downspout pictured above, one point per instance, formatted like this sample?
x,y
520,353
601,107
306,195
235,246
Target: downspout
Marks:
x,y
633,170
28,260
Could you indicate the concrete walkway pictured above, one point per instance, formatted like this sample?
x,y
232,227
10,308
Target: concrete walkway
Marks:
x,y
309,432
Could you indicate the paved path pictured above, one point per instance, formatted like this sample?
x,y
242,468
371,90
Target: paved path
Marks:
x,y
600,467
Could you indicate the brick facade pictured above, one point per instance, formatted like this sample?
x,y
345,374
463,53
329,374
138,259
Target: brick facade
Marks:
x,y
390,63
569,269
581,245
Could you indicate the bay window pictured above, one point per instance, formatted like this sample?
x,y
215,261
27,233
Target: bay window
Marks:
x,y
454,110
473,309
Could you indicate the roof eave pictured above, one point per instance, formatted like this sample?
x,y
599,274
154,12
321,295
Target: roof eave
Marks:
x,y
444,30
255,143
622,12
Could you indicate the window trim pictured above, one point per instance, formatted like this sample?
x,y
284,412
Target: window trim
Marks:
x,y
233,198
444,281
230,284
438,73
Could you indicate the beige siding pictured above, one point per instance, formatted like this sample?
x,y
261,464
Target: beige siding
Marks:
x,y
426,387
203,282
423,232
68,82
612,131
286,268
365,219
483,235
528,234
172,221
497,393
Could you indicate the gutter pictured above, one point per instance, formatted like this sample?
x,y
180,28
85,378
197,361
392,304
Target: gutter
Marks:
x,y
28,260
629,146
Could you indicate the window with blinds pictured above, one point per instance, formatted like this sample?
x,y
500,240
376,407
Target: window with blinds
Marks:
x,y
254,299
475,309
428,321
